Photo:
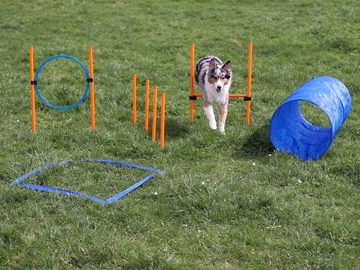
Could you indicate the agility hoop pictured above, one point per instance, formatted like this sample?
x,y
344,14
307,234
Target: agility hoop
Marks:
x,y
35,90
44,100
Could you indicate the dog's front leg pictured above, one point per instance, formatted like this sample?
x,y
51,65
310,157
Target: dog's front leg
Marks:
x,y
209,112
222,117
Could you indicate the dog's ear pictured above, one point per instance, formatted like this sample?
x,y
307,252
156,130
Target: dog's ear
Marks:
x,y
212,64
227,66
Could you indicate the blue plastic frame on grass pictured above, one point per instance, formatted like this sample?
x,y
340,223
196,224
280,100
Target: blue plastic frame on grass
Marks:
x,y
67,107
21,179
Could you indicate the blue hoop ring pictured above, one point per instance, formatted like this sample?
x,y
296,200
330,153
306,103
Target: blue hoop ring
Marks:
x,y
67,107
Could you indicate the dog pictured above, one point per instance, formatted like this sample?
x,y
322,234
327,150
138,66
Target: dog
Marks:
x,y
214,79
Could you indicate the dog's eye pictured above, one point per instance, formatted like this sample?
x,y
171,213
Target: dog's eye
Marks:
x,y
227,76
216,77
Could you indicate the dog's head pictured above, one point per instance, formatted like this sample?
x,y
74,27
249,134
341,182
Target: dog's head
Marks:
x,y
219,76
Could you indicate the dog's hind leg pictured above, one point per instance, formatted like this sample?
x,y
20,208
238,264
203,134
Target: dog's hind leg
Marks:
x,y
222,117
209,112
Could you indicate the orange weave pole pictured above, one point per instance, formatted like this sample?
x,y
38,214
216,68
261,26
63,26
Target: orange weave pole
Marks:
x,y
192,80
134,98
248,92
92,89
32,89
162,121
153,131
146,114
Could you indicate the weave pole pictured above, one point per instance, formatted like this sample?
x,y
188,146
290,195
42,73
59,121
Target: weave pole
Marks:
x,y
32,89
153,131
248,92
154,110
162,121
146,113
134,98
192,80
92,89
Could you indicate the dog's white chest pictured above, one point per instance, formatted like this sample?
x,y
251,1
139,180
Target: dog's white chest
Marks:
x,y
215,97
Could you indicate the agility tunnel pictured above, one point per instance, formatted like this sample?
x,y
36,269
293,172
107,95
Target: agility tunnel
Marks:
x,y
292,133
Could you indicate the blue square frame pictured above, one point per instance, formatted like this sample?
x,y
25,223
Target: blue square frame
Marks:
x,y
118,196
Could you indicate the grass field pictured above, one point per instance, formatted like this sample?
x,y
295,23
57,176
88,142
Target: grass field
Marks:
x,y
224,202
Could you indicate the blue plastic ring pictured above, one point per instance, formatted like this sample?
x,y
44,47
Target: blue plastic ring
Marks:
x,y
67,107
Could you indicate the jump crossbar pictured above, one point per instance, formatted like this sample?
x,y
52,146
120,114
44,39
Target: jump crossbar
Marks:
x,y
230,95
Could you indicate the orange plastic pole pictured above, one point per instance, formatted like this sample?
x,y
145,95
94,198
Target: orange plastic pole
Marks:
x,y
134,98
248,92
237,95
192,80
162,121
92,89
153,131
230,95
32,90
146,117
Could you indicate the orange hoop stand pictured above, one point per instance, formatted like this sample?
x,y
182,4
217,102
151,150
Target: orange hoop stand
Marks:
x,y
32,89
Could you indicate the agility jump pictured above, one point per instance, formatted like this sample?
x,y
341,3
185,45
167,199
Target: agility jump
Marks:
x,y
146,110
246,97
35,88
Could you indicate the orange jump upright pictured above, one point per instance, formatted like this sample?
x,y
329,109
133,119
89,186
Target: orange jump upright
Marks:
x,y
32,89
192,80
246,97
248,92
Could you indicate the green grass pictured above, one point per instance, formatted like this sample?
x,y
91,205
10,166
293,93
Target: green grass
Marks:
x,y
224,202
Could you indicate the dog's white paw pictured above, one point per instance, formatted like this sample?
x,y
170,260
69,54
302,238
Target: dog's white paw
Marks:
x,y
212,124
222,128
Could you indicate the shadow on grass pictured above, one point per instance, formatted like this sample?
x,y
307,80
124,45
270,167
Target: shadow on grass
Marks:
x,y
258,144
175,129
350,171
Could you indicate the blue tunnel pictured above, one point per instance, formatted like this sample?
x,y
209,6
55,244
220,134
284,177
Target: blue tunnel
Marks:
x,y
292,133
